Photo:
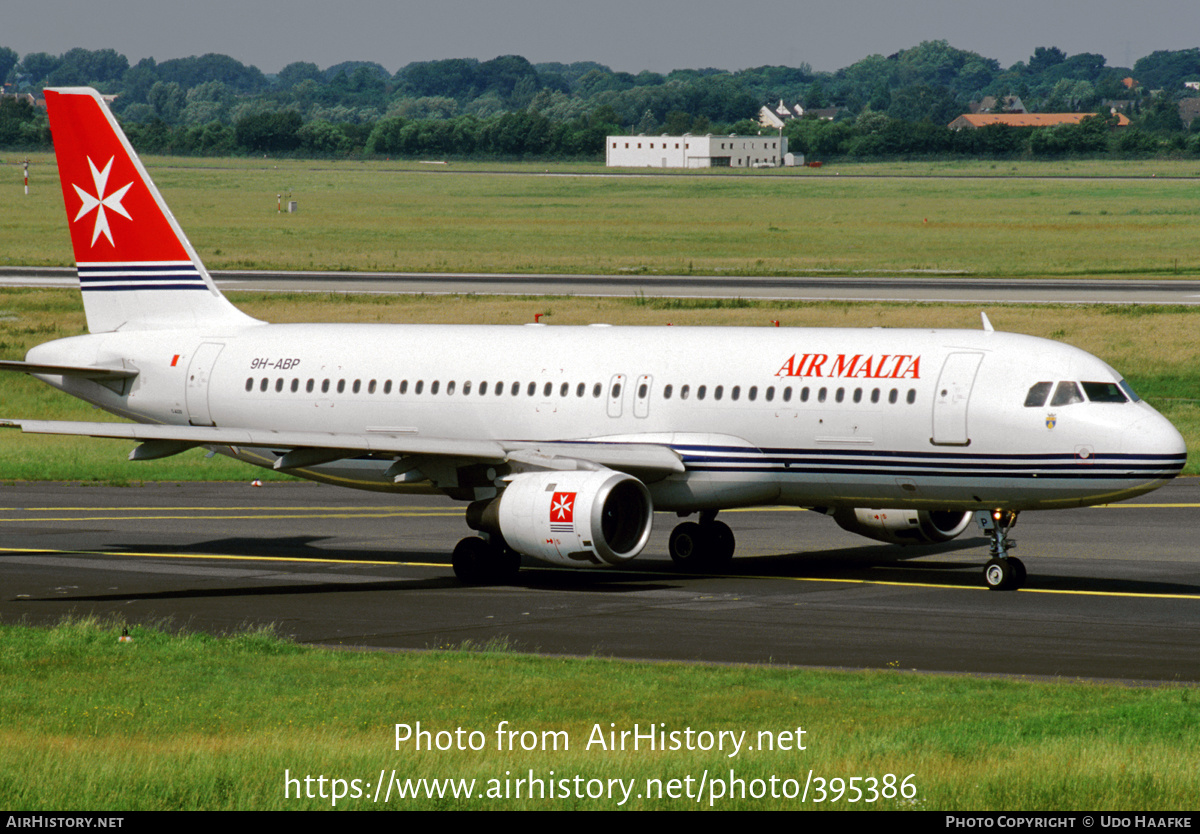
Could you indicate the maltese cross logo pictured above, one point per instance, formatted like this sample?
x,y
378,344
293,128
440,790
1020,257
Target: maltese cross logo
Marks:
x,y
100,202
562,507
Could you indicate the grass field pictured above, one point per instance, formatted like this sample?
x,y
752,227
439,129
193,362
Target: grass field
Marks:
x,y
967,218
196,722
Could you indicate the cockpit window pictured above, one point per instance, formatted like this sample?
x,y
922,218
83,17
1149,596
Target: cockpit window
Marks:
x,y
1036,398
1066,393
1129,392
1103,392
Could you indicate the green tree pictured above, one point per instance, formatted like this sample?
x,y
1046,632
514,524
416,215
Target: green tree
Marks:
x,y
8,60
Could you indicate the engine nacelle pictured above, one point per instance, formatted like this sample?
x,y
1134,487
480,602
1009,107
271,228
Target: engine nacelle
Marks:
x,y
903,526
576,518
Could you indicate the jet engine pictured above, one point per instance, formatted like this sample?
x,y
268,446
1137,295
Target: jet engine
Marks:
x,y
903,526
576,518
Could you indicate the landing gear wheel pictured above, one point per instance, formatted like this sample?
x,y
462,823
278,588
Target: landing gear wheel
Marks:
x,y
708,545
687,546
721,543
478,562
507,565
1000,574
471,561
1018,571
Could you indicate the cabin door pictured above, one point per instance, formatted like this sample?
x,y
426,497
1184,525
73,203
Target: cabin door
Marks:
x,y
951,397
199,371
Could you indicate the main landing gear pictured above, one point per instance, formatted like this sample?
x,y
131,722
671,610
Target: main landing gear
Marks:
x,y
478,561
705,546
1002,572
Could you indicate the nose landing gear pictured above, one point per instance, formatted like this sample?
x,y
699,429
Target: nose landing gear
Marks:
x,y
1002,572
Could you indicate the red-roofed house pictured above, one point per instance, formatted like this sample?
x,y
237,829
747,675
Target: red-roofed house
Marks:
x,y
974,121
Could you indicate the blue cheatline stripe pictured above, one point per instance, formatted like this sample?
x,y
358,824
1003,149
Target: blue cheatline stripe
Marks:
x,y
141,275
863,462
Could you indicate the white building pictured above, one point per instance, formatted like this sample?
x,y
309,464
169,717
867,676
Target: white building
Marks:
x,y
689,151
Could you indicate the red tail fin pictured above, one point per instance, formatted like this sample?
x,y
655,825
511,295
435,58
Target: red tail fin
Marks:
x,y
136,268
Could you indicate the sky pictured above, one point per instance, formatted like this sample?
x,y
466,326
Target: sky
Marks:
x,y
626,35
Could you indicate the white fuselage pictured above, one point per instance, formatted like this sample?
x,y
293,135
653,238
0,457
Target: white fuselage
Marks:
x,y
809,417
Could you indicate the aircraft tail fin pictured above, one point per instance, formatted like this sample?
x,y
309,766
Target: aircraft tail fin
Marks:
x,y
137,270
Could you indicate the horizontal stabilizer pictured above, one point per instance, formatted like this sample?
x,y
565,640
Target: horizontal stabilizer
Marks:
x,y
83,371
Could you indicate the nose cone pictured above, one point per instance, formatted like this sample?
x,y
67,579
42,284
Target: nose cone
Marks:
x,y
1154,445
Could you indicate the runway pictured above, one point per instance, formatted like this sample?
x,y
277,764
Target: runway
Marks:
x,y
910,287
1113,592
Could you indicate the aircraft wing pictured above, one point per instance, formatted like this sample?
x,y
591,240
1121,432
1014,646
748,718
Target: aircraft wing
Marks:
x,y
646,460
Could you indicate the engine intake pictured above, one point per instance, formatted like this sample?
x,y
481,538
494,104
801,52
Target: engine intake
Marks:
x,y
574,518
903,526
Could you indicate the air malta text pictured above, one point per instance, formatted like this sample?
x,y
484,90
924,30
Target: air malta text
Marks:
x,y
886,366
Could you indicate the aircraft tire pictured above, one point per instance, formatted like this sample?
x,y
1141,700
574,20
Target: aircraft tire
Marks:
x,y
1019,573
688,546
472,561
1000,575
721,543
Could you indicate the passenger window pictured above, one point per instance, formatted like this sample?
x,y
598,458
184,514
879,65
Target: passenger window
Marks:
x,y
387,387
262,386
1103,392
433,386
684,391
912,395
324,386
449,388
1067,393
371,387
482,388
752,394
250,383
564,389
893,395
310,385
467,387
295,385
804,394
701,391
875,396
770,393
642,391
357,385
516,389
718,391
580,389
1036,398
858,395
821,396
787,394
341,386
532,389
420,386
840,395
403,389
279,385
616,390
596,390
667,392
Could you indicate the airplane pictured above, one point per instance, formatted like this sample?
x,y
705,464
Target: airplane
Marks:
x,y
564,441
